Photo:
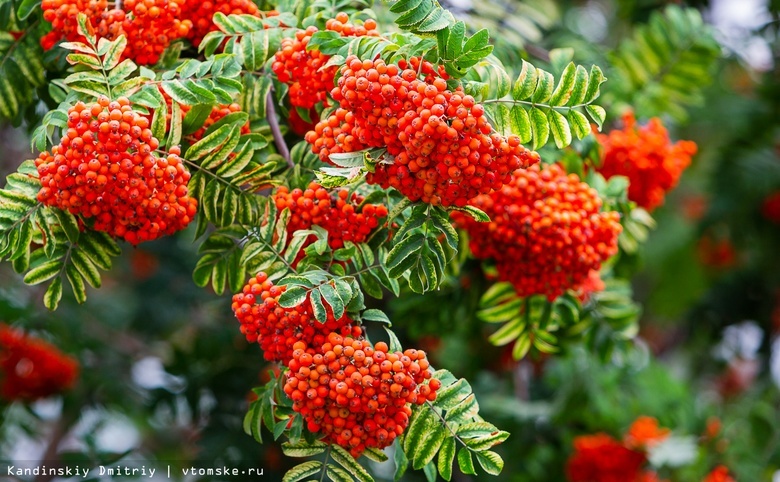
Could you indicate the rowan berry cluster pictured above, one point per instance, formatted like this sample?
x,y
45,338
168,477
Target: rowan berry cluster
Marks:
x,y
277,329
647,157
340,214
149,25
201,14
601,458
63,14
719,474
105,168
356,394
546,231
31,368
303,70
444,148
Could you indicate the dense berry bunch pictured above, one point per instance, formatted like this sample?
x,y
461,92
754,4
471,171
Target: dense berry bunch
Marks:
x,y
546,232
277,329
341,215
719,474
149,25
601,458
201,15
303,69
105,168
30,368
444,148
647,157
62,14
356,394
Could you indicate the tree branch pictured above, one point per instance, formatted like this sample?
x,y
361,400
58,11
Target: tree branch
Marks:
x,y
273,122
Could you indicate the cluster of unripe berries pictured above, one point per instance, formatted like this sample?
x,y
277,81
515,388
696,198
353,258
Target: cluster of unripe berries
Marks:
x,y
105,168
647,157
340,214
303,70
445,151
546,231
31,368
357,394
149,25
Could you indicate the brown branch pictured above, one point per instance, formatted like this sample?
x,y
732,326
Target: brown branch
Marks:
x,y
50,455
538,52
273,122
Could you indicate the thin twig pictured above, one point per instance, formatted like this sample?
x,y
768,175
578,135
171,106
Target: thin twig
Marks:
x,y
51,455
538,52
273,122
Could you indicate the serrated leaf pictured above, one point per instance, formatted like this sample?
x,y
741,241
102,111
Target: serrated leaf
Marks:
x,y
337,474
300,472
559,128
293,296
85,267
490,461
43,272
332,298
446,458
343,458
76,283
597,113
563,91
53,295
526,81
302,448
539,127
465,462
320,314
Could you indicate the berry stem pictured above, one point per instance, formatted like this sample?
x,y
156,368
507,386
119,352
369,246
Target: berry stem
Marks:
x,y
325,463
273,122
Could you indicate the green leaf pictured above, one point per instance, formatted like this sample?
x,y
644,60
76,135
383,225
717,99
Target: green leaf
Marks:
x,y
378,316
465,462
85,267
525,84
53,295
300,472
114,54
293,296
490,461
302,448
76,283
209,143
375,454
255,49
337,474
26,8
446,458
487,441
332,298
540,128
43,272
399,457
565,87
343,458
597,113
320,314
559,128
